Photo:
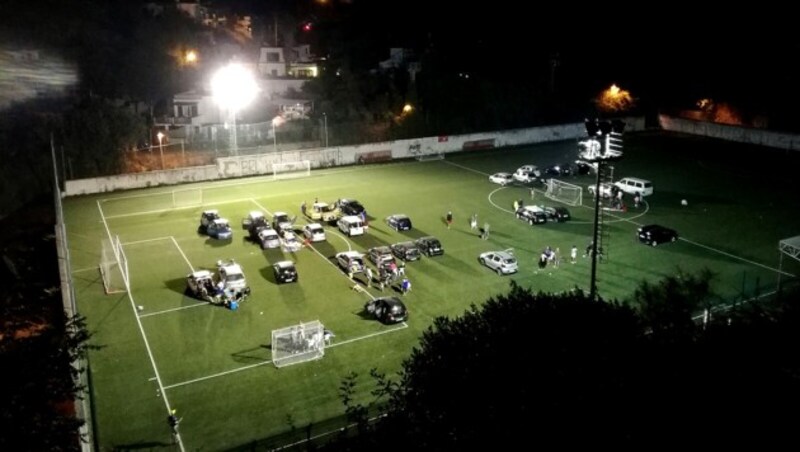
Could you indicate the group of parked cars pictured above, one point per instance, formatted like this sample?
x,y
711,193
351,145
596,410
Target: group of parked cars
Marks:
x,y
528,174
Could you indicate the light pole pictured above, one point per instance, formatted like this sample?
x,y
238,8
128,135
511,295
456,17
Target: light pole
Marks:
x,y
160,136
325,124
234,87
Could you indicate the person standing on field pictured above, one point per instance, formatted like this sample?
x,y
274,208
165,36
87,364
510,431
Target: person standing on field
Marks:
x,y
449,219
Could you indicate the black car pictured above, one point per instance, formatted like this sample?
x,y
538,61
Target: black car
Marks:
x,y
654,234
408,251
285,271
430,245
387,309
583,168
349,207
399,222
557,214
532,215
564,169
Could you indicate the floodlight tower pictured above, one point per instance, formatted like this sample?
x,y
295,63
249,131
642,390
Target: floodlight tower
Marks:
x,y
234,87
604,145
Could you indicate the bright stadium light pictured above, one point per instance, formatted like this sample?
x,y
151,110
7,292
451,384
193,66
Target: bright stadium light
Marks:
x,y
233,88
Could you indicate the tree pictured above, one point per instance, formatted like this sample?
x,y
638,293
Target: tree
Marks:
x,y
541,369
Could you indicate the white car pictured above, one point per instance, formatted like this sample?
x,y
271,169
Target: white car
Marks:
x,y
269,238
351,261
525,177
351,225
231,276
289,241
606,190
314,232
532,169
502,262
501,178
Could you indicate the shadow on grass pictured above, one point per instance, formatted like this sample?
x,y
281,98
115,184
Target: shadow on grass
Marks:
x,y
214,243
254,354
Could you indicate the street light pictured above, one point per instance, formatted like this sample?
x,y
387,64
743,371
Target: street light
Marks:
x,y
325,123
234,87
276,121
160,136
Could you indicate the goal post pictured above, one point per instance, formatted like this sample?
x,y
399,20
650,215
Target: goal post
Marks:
x,y
286,170
564,192
112,270
187,197
298,343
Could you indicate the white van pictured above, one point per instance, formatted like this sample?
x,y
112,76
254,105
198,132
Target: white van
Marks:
x,y
633,185
351,225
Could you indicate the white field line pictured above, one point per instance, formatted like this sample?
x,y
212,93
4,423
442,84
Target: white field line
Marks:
x,y
150,314
252,366
630,220
146,342
85,269
182,253
729,307
172,209
137,242
323,434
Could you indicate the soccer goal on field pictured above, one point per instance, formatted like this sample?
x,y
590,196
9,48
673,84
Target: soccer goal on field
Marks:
x,y
298,344
113,266
430,155
189,197
285,170
567,193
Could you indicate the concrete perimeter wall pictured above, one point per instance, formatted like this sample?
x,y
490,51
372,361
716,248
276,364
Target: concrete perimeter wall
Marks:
x,y
260,164
760,137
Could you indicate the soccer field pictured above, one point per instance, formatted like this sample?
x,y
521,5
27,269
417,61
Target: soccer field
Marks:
x,y
160,348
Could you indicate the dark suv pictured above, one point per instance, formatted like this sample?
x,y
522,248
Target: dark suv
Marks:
x,y
654,234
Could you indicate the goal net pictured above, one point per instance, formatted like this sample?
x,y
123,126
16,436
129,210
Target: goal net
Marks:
x,y
430,155
564,192
298,344
113,266
285,170
189,197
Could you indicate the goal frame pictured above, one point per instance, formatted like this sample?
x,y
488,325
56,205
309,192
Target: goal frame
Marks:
x,y
298,168
556,191
298,343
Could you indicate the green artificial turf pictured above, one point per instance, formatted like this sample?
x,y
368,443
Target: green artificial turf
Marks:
x,y
213,363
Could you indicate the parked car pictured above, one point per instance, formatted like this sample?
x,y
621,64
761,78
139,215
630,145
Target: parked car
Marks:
x,y
380,255
654,234
349,206
501,178
387,310
289,241
314,232
285,271
399,222
206,218
430,245
557,214
582,167
231,275
408,251
531,215
200,285
634,185
524,176
351,225
282,222
563,169
322,211
351,260
254,219
532,169
269,238
220,229
606,190
502,262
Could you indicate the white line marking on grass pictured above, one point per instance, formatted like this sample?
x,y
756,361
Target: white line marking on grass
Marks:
x,y
260,206
252,366
724,253
220,374
329,432
360,338
489,197
723,308
144,336
182,253
150,314
464,167
311,247
172,209
137,242
349,248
